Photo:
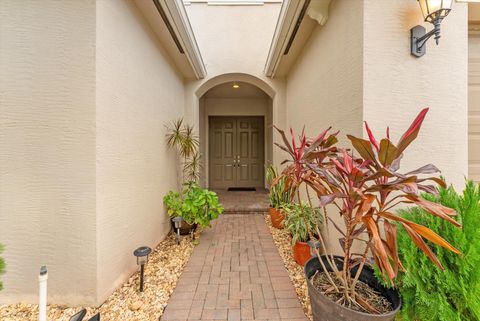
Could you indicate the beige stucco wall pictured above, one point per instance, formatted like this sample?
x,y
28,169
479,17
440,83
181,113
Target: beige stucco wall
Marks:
x,y
138,92
397,85
358,67
86,91
324,88
47,148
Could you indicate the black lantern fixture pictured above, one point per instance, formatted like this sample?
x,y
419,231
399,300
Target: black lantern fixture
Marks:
x,y
142,254
433,11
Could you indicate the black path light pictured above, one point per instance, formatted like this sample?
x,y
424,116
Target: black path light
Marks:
x,y
177,221
142,254
433,11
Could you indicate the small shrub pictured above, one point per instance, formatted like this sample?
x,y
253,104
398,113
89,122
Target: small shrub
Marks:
x,y
195,205
452,294
300,219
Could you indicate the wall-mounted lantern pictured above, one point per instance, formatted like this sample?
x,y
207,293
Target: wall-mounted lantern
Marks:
x,y
433,11
142,254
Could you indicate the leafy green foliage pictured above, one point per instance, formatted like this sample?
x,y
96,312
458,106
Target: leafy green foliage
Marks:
x,y
278,193
452,294
2,266
299,219
195,205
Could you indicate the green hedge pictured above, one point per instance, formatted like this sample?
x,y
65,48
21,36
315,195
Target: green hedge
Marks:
x,y
452,294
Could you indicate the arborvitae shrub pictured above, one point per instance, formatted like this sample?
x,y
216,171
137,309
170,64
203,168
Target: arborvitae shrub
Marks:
x,y
452,294
2,266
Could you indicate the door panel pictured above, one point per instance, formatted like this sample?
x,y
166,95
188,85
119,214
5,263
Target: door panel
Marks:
x,y
236,151
222,152
474,103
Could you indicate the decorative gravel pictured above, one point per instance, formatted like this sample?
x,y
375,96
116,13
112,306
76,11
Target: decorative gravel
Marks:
x,y
161,274
283,241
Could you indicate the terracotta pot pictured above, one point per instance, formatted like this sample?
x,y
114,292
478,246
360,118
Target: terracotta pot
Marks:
x,y
323,308
277,217
301,253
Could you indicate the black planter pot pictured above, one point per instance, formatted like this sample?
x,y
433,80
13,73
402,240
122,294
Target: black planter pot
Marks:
x,y
324,309
185,228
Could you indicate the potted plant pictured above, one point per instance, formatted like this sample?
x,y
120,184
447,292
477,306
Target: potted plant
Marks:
x,y
278,194
195,205
364,190
299,219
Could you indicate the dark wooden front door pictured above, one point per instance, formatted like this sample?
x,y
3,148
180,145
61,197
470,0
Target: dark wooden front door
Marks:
x,y
236,152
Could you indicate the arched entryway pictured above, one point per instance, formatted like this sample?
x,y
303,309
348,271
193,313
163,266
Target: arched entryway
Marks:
x,y
235,129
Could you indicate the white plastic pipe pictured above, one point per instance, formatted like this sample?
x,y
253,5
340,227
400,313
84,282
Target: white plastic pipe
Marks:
x,y
42,302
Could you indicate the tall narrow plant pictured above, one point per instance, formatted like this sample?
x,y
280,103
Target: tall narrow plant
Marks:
x,y
183,139
278,193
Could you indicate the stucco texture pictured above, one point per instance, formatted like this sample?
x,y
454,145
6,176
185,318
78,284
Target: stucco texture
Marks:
x,y
397,85
86,90
138,92
324,87
47,149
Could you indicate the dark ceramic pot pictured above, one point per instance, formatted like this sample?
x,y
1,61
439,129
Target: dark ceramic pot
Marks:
x,y
324,309
185,228
301,253
277,217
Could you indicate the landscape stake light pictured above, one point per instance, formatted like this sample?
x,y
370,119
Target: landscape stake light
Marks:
x,y
433,11
42,294
177,222
142,254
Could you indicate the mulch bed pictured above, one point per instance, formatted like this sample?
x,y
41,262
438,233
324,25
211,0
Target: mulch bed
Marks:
x,y
283,241
374,298
165,266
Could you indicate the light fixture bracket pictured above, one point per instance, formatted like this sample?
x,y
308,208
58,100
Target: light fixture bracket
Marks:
x,y
419,37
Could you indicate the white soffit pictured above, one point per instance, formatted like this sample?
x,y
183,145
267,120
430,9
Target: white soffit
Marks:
x,y
292,32
170,23
232,2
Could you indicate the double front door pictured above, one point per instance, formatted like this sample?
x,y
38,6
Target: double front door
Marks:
x,y
236,152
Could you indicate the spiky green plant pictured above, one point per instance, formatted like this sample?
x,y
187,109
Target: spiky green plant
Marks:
x,y
192,167
278,192
2,266
297,217
453,294
182,137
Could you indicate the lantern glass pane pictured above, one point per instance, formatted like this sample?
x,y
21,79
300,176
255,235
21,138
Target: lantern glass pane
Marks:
x,y
424,7
430,7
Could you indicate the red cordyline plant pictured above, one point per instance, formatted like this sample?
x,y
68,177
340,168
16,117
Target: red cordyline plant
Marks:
x,y
364,191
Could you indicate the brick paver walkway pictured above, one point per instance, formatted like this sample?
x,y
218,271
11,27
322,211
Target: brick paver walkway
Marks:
x,y
235,273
